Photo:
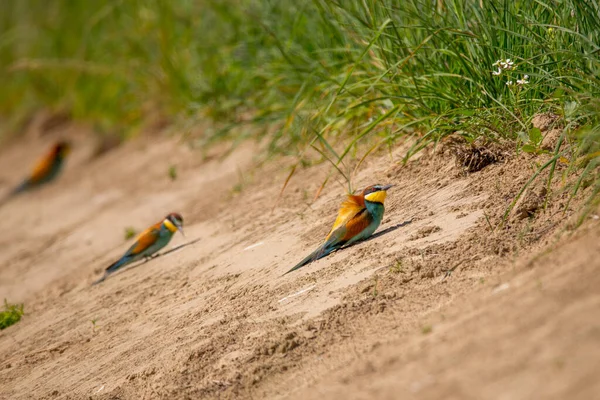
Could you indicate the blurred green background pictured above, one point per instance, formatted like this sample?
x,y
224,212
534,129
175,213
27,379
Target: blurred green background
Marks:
x,y
304,71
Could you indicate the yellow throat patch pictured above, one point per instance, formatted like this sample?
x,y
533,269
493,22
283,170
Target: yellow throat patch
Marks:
x,y
376,197
170,226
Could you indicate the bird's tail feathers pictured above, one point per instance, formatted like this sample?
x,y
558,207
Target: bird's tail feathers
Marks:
x,y
21,188
117,264
320,252
112,268
101,279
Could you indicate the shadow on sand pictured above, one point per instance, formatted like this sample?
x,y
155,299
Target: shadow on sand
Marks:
x,y
374,236
386,231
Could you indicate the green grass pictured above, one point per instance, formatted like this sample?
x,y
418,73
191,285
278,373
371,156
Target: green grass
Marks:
x,y
397,267
172,172
11,315
311,78
130,232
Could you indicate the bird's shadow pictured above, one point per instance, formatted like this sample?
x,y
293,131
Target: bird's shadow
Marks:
x,y
132,266
381,233
376,235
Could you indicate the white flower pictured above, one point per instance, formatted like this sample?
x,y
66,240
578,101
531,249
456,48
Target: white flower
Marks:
x,y
503,64
523,81
509,83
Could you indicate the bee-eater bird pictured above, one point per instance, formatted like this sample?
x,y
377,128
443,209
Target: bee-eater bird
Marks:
x,y
359,216
46,170
148,242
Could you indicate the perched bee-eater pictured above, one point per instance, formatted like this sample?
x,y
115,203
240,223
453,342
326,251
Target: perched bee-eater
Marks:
x,y
148,242
47,168
358,218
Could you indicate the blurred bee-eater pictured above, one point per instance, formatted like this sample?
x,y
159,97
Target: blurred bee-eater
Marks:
x,y
46,170
148,242
359,216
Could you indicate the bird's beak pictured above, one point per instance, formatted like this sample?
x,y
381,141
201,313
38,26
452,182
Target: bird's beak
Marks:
x,y
386,187
180,229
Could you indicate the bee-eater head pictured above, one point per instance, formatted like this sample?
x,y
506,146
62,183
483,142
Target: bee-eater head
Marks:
x,y
376,193
174,222
62,148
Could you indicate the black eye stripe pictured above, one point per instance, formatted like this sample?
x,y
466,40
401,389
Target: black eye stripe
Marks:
x,y
175,218
371,189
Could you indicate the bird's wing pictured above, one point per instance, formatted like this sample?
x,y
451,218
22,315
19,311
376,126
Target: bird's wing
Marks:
x,y
42,168
359,223
351,207
353,227
145,239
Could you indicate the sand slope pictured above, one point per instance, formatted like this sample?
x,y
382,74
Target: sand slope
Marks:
x,y
382,319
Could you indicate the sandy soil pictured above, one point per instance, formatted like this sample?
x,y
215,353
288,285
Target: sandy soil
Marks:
x,y
443,303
